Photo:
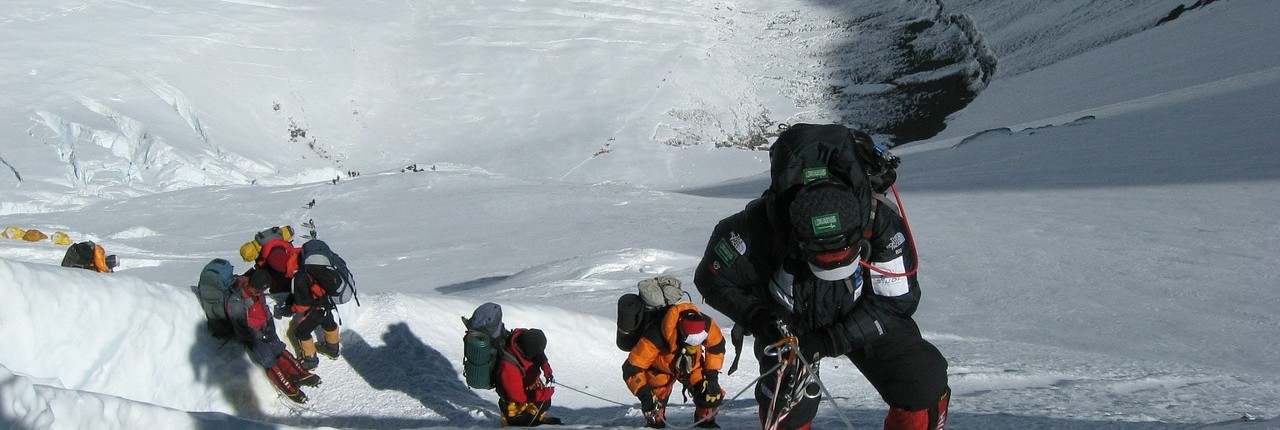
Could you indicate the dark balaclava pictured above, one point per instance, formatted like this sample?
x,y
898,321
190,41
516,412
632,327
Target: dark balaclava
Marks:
x,y
533,344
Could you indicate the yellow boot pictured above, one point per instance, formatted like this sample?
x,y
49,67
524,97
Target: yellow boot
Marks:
x,y
307,350
330,347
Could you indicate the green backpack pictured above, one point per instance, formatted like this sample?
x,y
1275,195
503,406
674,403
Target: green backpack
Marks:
x,y
481,344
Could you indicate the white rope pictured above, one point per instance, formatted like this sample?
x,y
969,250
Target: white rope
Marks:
x,y
592,395
830,398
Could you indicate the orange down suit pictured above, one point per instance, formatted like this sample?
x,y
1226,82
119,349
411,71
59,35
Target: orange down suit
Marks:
x,y
653,360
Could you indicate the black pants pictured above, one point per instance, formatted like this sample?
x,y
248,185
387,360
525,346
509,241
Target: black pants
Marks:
x,y
305,323
910,374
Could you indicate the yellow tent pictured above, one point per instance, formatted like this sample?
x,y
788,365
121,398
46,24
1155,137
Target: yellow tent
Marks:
x,y
60,238
34,235
13,232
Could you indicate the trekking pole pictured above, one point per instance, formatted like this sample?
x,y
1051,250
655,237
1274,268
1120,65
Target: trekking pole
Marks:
x,y
830,398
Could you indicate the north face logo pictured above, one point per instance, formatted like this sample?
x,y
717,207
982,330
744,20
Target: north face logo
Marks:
x,y
825,223
738,244
897,240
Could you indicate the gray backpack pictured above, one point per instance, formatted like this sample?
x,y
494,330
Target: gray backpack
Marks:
x,y
638,310
660,292
214,288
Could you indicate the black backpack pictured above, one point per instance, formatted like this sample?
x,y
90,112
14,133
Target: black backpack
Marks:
x,y
338,292
809,153
804,153
214,288
79,255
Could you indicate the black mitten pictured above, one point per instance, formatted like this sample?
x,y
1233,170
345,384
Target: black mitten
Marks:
x,y
711,391
822,343
763,325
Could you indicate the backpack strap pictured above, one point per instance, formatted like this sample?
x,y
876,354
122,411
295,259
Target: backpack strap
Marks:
x,y
866,235
736,336
508,355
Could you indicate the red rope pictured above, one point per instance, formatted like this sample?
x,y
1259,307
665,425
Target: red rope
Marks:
x,y
914,253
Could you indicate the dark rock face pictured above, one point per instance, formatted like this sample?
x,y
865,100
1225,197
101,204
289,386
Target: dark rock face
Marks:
x,y
902,75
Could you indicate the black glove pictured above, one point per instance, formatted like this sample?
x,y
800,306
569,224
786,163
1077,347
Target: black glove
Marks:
x,y
711,390
648,401
822,343
763,325
282,309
